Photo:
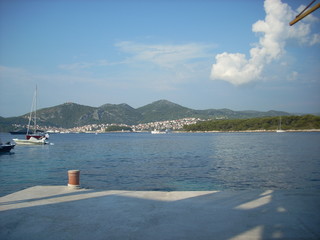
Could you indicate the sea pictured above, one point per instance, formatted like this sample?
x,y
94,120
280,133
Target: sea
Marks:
x,y
167,162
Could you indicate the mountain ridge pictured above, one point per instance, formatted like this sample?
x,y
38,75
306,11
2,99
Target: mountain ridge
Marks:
x,y
68,115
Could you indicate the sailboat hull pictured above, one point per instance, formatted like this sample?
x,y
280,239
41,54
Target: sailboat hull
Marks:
x,y
30,141
37,136
280,131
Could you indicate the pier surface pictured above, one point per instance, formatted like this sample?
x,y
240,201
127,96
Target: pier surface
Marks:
x,y
57,212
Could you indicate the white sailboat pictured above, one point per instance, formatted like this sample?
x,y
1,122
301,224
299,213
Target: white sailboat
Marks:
x,y
279,130
34,138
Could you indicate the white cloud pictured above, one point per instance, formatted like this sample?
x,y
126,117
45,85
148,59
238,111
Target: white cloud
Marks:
x,y
6,72
166,65
274,31
235,68
163,55
20,76
293,76
315,39
16,76
84,65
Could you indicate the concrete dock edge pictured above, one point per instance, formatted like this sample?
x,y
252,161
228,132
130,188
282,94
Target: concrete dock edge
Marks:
x,y
58,212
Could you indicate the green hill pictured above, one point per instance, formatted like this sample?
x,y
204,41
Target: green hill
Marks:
x,y
70,115
66,115
266,123
113,113
163,110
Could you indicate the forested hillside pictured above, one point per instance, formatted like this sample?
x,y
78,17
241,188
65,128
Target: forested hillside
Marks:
x,y
266,123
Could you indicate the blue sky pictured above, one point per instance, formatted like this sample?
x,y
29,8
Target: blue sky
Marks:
x,y
236,54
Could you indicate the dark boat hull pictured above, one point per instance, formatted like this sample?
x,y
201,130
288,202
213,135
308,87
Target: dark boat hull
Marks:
x,y
6,147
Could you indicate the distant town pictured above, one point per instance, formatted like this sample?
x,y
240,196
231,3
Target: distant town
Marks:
x,y
174,125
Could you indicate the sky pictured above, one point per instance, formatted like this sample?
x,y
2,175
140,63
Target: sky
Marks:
x,y
201,54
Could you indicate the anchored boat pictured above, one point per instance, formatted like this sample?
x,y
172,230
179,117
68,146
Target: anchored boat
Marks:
x,y
37,137
6,147
279,130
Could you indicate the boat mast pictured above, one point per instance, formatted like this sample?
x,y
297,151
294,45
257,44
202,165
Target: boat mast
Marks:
x,y
33,109
280,124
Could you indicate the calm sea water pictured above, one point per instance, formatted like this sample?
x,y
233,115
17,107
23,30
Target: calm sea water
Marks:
x,y
182,161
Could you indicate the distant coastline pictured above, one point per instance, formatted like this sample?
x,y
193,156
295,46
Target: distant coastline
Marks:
x,y
265,124
160,115
251,131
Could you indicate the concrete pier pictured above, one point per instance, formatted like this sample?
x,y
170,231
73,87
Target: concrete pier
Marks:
x,y
58,212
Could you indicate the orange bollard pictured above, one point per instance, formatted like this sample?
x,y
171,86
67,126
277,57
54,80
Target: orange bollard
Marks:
x,y
74,179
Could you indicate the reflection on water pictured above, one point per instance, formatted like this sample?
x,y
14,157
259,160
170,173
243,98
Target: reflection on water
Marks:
x,y
185,161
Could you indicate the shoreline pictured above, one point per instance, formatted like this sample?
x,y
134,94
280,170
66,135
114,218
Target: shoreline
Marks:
x,y
182,131
251,131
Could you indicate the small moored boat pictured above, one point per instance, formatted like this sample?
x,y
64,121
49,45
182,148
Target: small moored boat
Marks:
x,y
155,131
6,147
31,141
279,130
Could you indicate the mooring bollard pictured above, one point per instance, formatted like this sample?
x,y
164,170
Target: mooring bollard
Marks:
x,y
74,179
